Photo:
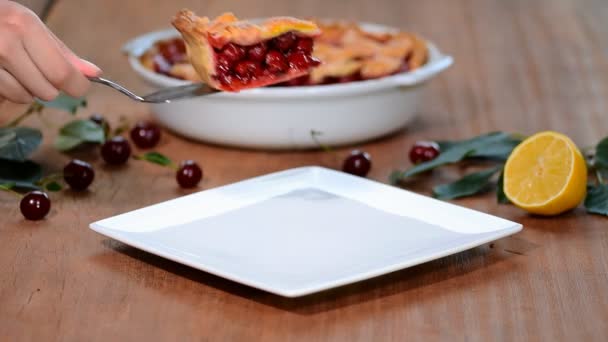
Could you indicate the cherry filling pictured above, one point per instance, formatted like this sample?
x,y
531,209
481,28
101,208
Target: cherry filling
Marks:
x,y
170,52
260,64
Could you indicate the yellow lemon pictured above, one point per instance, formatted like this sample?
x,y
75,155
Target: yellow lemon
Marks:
x,y
546,174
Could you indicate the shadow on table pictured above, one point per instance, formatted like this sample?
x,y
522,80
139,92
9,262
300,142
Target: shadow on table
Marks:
x,y
426,274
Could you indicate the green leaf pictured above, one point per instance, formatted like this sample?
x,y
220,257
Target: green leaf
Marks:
x,y
66,143
500,191
596,201
53,186
18,143
77,132
601,154
65,102
21,174
457,151
156,158
470,184
499,149
395,177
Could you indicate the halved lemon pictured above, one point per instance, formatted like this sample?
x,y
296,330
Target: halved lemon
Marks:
x,y
546,174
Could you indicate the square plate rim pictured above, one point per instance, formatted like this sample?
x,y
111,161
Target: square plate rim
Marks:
x,y
318,287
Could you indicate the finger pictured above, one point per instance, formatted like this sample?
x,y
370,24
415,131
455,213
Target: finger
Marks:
x,y
23,69
86,67
46,54
11,89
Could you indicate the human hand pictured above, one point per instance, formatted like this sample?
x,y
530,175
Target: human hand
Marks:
x,y
35,63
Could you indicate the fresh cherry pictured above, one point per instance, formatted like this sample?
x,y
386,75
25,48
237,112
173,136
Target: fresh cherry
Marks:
x,y
98,119
275,62
78,174
145,134
357,163
35,205
304,45
285,41
101,121
233,52
189,174
116,150
257,52
423,151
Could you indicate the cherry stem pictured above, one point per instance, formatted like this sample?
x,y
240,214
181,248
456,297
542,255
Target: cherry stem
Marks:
x,y
9,189
33,108
49,178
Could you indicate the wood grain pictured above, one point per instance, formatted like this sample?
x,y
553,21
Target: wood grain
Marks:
x,y
521,66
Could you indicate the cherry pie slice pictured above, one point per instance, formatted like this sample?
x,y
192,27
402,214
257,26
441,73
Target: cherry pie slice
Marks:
x,y
233,55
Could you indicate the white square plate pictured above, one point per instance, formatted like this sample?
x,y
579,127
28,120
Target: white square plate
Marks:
x,y
304,230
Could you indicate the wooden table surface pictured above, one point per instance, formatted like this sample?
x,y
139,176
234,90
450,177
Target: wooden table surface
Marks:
x,y
521,66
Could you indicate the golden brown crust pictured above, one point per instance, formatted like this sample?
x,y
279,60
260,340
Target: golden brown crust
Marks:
x,y
227,28
345,49
200,52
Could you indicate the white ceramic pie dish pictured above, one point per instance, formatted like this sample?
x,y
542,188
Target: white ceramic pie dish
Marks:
x,y
283,118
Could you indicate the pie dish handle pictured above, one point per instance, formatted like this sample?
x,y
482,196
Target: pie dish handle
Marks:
x,y
424,73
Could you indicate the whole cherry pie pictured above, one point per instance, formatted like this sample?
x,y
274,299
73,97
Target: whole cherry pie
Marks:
x,y
232,55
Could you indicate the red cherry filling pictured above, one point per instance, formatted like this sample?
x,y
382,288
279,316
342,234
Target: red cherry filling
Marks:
x,y
257,65
285,41
257,53
173,51
304,45
276,62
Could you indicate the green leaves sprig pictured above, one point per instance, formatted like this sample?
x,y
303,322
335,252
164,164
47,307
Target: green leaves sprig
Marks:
x,y
495,148
17,144
596,201
78,132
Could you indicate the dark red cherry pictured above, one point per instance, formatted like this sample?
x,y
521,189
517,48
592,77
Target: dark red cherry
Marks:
x,y
233,52
298,60
223,63
145,134
35,205
225,78
257,53
248,69
116,151
285,41
275,62
423,151
358,163
78,174
98,119
189,174
305,45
